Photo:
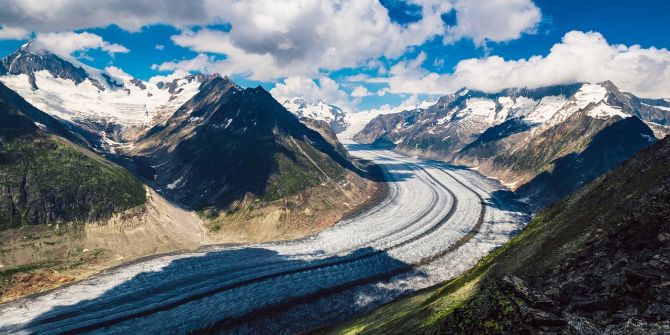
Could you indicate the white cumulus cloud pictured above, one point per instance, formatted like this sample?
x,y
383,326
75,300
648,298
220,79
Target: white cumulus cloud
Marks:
x,y
579,57
13,33
66,15
360,91
67,43
493,20
272,39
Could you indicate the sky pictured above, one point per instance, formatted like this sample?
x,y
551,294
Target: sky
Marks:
x,y
362,55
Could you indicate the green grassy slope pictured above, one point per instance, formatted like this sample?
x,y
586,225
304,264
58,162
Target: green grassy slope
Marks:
x,y
597,261
47,179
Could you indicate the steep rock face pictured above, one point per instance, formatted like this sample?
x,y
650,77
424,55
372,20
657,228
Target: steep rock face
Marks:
x,y
651,110
605,149
45,178
318,110
529,139
381,126
228,142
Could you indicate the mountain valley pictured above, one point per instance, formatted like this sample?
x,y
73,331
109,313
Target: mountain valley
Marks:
x,y
334,167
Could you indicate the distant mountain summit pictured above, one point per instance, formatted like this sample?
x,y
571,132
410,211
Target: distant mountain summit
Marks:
x,y
318,110
25,61
543,142
110,107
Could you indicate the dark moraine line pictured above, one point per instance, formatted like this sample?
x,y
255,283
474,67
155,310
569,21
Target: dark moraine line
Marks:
x,y
225,323
186,280
281,307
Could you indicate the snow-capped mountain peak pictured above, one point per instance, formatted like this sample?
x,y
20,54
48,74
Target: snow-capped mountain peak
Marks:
x,y
318,110
107,102
461,117
551,105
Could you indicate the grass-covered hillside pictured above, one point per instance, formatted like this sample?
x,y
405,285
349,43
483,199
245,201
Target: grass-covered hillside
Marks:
x,y
597,262
47,179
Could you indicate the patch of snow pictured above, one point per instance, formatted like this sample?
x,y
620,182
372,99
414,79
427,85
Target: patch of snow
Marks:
x,y
545,109
649,139
228,122
443,119
175,184
604,111
658,107
318,110
587,94
481,107
522,107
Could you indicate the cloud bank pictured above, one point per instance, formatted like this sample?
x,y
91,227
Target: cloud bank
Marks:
x,y
579,57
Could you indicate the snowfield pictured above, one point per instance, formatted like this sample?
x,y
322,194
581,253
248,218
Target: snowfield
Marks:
x,y
128,106
436,222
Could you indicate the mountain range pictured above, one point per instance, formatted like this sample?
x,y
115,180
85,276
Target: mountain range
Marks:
x,y
191,137
530,139
108,108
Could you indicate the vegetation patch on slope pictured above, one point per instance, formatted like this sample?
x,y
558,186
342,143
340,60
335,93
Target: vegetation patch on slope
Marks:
x,y
48,180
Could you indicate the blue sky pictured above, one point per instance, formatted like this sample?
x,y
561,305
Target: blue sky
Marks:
x,y
384,75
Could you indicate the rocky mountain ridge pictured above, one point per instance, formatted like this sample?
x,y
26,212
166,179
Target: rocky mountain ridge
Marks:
x,y
527,137
109,106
